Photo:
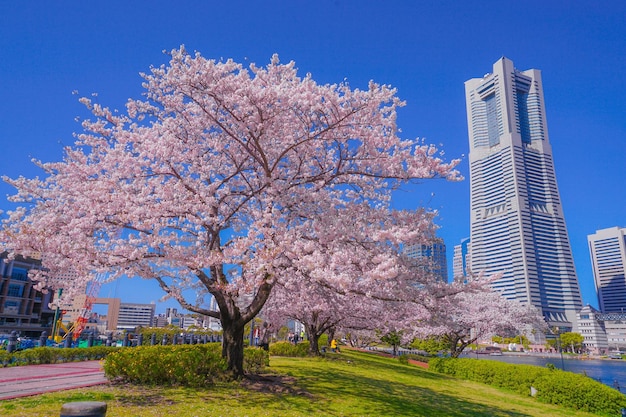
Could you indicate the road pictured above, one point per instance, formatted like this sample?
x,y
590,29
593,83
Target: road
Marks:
x,y
24,381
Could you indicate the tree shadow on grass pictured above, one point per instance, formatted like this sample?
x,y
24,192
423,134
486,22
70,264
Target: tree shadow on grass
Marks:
x,y
333,389
394,398
141,395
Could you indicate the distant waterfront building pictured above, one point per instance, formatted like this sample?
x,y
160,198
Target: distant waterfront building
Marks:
x,y
119,316
602,332
592,330
213,323
159,321
176,321
460,260
430,257
615,325
132,315
517,227
23,309
607,248
171,312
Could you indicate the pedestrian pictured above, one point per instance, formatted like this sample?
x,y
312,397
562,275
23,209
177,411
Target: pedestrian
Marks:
x,y
333,345
256,336
265,337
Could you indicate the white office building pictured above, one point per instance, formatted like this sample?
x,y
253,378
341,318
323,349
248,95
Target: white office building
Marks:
x,y
460,261
592,327
607,248
131,316
517,227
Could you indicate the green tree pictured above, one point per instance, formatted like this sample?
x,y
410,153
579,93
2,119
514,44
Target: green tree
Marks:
x,y
430,345
392,339
572,342
518,339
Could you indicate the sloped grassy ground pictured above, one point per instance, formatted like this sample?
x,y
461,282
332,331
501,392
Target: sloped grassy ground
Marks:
x,y
347,384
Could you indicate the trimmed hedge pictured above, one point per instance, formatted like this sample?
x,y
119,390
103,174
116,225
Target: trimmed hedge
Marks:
x,y
45,355
180,365
413,356
553,385
147,333
289,349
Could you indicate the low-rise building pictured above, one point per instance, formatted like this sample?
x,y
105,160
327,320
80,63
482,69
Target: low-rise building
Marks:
x,y
23,309
593,330
132,315
602,332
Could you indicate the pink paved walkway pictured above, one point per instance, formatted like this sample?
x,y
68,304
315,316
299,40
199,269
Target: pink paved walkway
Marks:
x,y
23,381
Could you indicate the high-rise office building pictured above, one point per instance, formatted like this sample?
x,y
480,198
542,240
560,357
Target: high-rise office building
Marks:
x,y
607,248
517,227
430,258
460,260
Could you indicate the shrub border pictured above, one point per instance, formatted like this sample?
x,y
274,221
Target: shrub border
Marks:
x,y
552,386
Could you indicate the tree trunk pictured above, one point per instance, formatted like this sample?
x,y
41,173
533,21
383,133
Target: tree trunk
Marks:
x,y
456,352
234,320
314,337
232,346
331,334
453,342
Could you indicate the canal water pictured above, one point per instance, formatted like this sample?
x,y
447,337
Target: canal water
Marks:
x,y
611,372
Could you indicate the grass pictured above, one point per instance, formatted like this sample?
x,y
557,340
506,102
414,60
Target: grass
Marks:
x,y
347,384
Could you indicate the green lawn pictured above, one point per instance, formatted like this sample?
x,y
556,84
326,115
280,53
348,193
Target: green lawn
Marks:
x,y
346,384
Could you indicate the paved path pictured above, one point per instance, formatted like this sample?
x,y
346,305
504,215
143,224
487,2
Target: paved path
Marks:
x,y
23,381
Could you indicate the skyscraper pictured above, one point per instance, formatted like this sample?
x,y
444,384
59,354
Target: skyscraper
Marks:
x,y
460,260
430,258
517,227
607,248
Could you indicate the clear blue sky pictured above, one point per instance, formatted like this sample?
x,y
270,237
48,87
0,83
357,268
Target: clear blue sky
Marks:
x,y
427,50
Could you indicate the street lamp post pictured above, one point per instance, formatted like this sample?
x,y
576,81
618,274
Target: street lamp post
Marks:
x,y
558,345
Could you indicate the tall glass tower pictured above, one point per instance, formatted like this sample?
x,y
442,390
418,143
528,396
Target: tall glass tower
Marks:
x,y
431,258
517,228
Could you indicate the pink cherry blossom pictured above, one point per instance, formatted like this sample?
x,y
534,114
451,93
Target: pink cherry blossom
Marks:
x,y
217,180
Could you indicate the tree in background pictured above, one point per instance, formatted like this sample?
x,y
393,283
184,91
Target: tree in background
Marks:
x,y
347,269
392,338
360,281
466,317
204,184
431,345
517,339
571,342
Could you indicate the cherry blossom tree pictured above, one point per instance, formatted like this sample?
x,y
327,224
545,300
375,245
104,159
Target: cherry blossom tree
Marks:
x,y
318,310
463,318
346,266
359,280
203,185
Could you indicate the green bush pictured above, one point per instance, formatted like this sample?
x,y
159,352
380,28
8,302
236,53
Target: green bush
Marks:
x,y
5,357
289,349
45,355
255,359
37,355
553,386
579,392
180,365
194,365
